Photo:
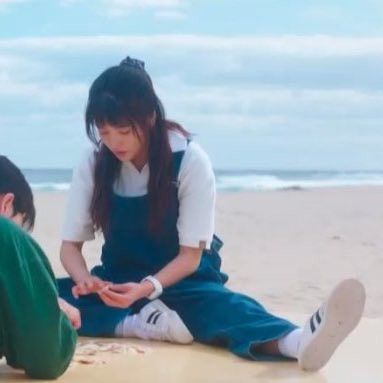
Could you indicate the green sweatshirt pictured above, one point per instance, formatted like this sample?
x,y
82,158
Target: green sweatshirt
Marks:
x,y
34,334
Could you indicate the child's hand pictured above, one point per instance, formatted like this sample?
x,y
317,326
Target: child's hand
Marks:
x,y
88,285
71,312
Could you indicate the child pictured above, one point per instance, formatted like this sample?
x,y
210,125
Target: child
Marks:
x,y
151,191
35,335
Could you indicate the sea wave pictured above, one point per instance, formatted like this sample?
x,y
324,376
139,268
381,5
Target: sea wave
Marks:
x,y
248,180
288,180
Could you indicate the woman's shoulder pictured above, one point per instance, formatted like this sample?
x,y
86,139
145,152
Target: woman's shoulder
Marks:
x,y
178,142
195,162
193,150
195,155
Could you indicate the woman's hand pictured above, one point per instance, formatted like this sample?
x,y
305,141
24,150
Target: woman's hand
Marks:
x,y
71,312
125,294
88,285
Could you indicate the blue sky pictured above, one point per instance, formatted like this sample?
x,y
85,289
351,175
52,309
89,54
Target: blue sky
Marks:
x,y
263,84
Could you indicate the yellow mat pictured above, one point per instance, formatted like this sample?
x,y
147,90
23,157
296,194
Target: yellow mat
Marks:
x,y
359,359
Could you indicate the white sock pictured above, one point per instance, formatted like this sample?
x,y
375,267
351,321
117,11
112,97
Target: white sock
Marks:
x,y
127,327
289,344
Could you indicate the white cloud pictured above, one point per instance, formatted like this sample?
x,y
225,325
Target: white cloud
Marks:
x,y
4,4
161,8
244,74
145,3
295,46
170,15
68,2
7,2
330,104
21,67
42,95
282,89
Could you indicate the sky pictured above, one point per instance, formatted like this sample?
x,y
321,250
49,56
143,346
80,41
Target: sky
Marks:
x,y
262,84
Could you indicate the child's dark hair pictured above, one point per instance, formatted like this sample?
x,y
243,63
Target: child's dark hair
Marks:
x,y
13,181
124,95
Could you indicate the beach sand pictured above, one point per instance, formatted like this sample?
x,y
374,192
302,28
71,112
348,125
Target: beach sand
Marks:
x,y
285,248
144,362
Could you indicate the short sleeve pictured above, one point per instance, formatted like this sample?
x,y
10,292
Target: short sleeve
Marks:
x,y
196,195
78,226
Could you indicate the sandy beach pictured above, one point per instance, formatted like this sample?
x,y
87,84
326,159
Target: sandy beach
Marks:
x,y
285,248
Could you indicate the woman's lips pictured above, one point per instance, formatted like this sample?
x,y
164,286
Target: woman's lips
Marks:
x,y
120,154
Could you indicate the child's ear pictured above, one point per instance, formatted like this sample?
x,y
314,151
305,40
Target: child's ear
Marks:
x,y
6,204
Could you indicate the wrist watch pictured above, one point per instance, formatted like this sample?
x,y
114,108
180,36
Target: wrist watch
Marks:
x,y
157,287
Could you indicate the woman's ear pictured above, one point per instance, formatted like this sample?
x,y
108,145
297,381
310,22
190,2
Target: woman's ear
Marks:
x,y
6,204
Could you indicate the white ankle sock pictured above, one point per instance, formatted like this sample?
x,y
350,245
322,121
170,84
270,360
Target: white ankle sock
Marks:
x,y
289,344
127,327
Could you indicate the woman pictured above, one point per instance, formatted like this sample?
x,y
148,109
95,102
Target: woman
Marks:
x,y
151,191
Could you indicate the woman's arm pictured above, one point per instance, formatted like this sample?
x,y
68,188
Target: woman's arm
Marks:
x,y
184,264
74,263
181,266
195,224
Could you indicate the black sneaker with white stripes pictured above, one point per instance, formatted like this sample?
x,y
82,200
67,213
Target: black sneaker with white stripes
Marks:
x,y
331,324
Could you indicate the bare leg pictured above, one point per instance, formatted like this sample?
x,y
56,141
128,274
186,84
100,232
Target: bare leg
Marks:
x,y
269,348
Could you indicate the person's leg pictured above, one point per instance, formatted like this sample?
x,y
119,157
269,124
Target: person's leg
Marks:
x,y
146,320
323,332
215,315
287,346
35,335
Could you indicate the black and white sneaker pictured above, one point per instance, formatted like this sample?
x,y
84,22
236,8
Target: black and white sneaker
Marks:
x,y
155,321
331,324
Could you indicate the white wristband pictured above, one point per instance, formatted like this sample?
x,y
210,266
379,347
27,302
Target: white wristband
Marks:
x,y
157,287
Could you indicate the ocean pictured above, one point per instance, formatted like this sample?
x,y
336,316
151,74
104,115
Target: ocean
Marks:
x,y
229,180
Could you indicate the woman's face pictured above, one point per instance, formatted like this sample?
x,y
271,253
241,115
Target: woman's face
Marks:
x,y
124,142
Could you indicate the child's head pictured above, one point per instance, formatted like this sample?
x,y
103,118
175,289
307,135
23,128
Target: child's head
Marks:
x,y
16,198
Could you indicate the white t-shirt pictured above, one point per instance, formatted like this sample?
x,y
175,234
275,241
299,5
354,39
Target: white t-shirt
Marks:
x,y
196,194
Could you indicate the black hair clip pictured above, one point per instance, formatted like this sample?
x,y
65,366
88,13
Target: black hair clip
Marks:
x,y
133,63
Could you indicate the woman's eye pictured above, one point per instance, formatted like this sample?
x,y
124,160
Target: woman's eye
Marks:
x,y
125,131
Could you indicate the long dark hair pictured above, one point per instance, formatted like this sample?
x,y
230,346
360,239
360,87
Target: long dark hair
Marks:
x,y
124,95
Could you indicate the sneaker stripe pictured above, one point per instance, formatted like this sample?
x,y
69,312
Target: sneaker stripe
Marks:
x,y
156,317
151,316
318,318
312,324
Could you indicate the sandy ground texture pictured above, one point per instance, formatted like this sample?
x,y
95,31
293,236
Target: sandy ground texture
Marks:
x,y
357,360
285,248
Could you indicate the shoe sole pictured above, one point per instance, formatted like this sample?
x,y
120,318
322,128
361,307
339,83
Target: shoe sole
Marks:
x,y
343,311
